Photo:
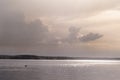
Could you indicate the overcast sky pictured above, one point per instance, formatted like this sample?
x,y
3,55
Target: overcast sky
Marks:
x,y
85,24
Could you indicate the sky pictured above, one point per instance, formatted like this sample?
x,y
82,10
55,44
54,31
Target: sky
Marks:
x,y
53,27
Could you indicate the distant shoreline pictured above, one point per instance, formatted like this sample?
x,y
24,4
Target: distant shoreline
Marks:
x,y
31,57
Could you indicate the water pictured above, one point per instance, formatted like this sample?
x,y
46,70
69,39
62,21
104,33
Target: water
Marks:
x,y
59,70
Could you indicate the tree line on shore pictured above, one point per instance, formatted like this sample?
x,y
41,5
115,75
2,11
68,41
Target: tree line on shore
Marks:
x,y
53,57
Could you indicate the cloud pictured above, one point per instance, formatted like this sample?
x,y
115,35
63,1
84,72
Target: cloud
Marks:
x,y
75,36
15,31
73,33
90,37
65,7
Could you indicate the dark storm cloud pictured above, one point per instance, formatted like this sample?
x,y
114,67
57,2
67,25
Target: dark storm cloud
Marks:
x,y
76,36
90,37
15,31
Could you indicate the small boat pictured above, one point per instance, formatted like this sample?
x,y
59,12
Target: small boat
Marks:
x,y
25,65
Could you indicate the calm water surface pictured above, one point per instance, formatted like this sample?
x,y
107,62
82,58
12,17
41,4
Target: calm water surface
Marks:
x,y
59,70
